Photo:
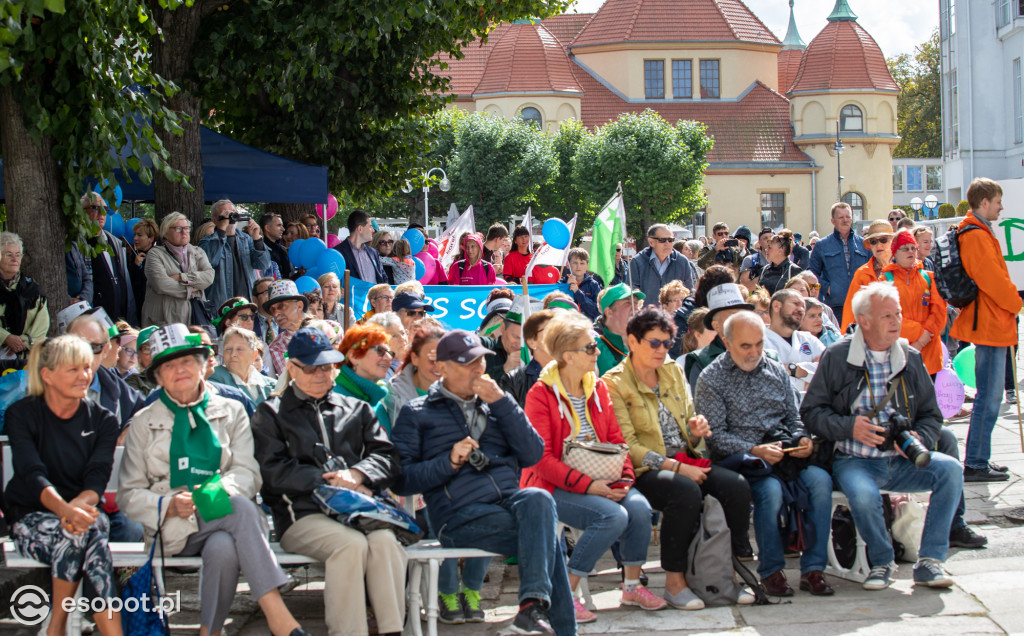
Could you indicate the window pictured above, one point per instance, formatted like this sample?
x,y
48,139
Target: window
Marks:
x,y
709,79
1018,104
954,112
851,119
1002,13
914,183
682,79
773,210
933,175
532,115
897,178
952,17
856,202
654,79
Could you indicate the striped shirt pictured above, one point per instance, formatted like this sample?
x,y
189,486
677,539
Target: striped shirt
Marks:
x,y
579,404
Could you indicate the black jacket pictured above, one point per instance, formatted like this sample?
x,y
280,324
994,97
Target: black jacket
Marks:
x,y
279,254
286,429
774,277
827,409
518,381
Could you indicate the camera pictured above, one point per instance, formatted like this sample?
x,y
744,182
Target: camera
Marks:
x,y
900,437
478,460
732,243
238,217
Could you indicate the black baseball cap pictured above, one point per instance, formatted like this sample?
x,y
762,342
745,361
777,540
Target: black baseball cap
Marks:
x,y
461,346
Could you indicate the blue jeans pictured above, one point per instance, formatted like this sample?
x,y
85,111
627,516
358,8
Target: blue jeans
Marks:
x,y
767,495
861,479
123,529
947,444
604,521
473,574
989,367
522,526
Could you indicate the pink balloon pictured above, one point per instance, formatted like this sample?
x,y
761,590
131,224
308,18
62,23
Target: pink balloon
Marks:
x,y
429,265
432,250
949,392
331,207
332,240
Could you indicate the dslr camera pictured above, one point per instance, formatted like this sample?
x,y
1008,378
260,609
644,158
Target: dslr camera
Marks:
x,y
900,437
239,217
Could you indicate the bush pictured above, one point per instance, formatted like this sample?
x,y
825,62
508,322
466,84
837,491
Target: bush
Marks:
x,y
962,208
947,211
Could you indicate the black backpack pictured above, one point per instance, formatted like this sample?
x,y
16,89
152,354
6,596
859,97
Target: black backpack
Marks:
x,y
954,284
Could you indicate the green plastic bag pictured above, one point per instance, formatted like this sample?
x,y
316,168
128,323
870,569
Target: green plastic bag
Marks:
x,y
211,500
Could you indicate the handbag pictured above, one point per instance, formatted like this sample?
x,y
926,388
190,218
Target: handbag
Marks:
x,y
597,460
367,513
141,612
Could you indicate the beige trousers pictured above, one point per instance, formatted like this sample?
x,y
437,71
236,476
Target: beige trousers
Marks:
x,y
350,558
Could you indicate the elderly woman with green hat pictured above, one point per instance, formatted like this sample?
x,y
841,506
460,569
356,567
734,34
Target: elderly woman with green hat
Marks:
x,y
189,471
617,305
241,356
141,381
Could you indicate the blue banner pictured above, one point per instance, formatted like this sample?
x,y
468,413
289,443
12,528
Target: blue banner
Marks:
x,y
456,306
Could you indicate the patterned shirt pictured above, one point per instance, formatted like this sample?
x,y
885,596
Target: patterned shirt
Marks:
x,y
878,368
579,404
671,434
278,348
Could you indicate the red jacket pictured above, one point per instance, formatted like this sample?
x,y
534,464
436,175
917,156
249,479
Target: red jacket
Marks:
x,y
997,303
542,409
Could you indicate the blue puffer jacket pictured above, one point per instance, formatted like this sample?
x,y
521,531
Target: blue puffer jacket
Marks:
x,y
586,295
426,430
829,264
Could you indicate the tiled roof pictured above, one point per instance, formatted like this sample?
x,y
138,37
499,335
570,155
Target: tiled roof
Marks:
x,y
466,73
526,58
843,56
674,21
567,26
789,64
754,129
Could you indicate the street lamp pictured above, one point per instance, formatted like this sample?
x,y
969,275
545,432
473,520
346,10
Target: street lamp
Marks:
x,y
839,148
931,202
445,186
916,204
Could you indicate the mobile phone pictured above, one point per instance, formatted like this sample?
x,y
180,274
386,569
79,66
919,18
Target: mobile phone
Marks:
x,y
622,483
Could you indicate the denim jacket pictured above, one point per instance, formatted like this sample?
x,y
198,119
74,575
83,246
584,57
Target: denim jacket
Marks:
x,y
216,247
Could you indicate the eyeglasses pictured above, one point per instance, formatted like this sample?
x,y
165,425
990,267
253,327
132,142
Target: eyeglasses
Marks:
x,y
262,293
416,313
908,249
143,350
881,240
814,287
309,370
311,226
95,208
387,298
97,347
590,349
656,344
130,352
761,312
662,239
387,242
245,317
180,229
383,351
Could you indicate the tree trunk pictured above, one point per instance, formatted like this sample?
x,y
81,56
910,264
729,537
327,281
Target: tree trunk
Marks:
x,y
291,211
172,60
33,197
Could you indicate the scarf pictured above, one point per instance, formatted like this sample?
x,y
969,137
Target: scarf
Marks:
x,y
361,388
195,450
180,254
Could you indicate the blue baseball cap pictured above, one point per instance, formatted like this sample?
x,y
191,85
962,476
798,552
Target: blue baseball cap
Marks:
x,y
409,300
461,346
311,347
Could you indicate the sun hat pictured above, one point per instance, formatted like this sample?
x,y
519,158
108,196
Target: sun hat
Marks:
x,y
877,229
724,296
172,342
281,290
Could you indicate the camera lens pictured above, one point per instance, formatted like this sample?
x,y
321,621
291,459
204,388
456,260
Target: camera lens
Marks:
x,y
913,449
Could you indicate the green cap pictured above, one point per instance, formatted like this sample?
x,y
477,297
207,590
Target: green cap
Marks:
x,y
144,335
618,292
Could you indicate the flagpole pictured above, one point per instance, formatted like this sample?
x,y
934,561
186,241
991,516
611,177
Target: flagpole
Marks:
x,y
625,242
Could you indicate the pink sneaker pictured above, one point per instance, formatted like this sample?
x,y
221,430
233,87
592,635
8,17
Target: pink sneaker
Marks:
x,y
583,615
642,597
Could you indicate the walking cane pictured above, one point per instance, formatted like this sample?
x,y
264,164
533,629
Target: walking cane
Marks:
x,y
1020,426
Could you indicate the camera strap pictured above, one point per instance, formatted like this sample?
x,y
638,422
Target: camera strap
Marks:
x,y
873,413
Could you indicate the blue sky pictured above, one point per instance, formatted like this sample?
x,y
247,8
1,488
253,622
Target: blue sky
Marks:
x,y
897,25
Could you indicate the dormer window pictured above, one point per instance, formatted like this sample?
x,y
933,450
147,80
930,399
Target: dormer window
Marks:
x,y
654,79
851,119
710,82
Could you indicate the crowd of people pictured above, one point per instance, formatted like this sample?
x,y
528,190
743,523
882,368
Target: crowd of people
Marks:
x,y
760,374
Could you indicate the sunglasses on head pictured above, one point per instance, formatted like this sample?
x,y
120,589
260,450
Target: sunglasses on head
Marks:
x,y
656,344
880,240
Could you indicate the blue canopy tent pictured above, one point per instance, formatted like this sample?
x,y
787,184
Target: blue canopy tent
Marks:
x,y
233,170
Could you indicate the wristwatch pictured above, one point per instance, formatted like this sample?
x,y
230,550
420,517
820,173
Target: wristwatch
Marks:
x,y
792,369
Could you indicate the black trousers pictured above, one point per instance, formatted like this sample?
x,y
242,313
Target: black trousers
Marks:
x,y
679,499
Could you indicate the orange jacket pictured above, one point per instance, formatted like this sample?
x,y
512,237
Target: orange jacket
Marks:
x,y
862,276
920,313
998,303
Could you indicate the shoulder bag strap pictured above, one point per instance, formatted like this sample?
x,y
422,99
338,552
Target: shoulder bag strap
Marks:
x,y
885,400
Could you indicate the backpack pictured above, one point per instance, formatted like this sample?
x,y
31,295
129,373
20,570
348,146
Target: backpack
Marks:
x,y
927,279
951,279
710,567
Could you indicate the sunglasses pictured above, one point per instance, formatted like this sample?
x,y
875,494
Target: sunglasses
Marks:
x,y
245,317
308,370
97,347
383,351
590,349
815,286
657,344
95,208
416,313
387,242
661,239
895,218
882,240
618,249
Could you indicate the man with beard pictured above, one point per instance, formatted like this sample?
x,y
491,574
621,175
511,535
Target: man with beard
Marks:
x,y
785,338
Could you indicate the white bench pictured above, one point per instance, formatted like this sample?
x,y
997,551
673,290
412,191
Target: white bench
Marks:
x,y
858,571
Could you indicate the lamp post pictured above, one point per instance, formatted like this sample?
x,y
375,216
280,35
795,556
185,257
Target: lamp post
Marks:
x,y
916,204
839,148
445,186
931,202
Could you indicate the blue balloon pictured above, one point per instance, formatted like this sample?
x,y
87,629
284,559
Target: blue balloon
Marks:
x,y
294,250
331,261
117,196
421,269
108,225
129,228
311,248
416,241
306,284
116,222
556,233
313,272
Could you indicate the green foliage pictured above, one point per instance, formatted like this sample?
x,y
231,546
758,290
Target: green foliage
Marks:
x,y
343,83
69,64
918,116
963,208
947,211
661,168
499,166
562,198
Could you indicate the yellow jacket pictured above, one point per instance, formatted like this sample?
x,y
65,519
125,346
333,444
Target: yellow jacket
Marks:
x,y
636,408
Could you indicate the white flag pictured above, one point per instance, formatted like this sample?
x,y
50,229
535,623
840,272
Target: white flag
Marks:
x,y
449,239
528,223
548,255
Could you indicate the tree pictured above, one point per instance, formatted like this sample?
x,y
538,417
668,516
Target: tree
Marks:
x,y
562,198
918,113
661,167
65,69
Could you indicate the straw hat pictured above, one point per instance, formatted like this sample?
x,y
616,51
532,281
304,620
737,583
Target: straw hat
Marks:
x,y
877,229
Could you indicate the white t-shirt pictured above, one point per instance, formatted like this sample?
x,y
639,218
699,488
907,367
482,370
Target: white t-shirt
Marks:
x,y
802,347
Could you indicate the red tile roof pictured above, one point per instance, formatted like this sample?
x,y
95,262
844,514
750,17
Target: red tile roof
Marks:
x,y
789,64
567,26
674,21
526,58
843,56
465,73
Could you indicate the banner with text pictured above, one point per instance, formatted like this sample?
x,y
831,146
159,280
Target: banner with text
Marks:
x,y
456,306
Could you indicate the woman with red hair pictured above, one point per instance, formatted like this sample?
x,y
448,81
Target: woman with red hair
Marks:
x,y
367,360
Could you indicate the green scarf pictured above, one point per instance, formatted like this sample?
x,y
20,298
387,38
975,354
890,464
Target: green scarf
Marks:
x,y
359,387
195,450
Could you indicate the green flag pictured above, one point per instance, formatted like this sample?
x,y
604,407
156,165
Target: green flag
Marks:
x,y
609,229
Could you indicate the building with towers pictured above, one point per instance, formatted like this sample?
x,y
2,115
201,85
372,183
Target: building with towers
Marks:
x,y
773,106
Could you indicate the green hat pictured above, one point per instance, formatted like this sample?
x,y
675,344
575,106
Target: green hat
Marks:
x,y
144,335
172,342
618,292
518,309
